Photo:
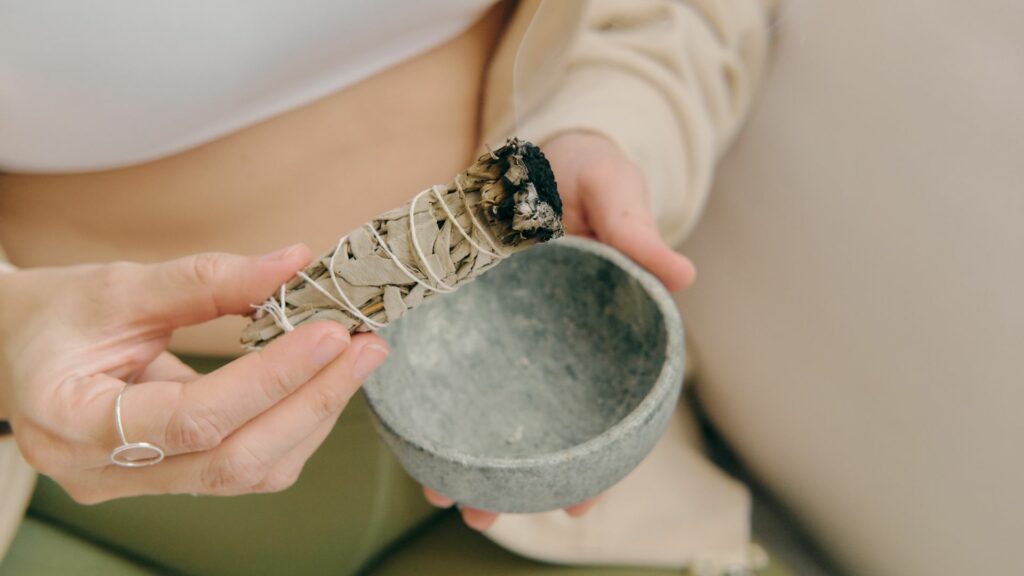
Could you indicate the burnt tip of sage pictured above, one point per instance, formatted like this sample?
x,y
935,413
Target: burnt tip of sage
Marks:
x,y
527,193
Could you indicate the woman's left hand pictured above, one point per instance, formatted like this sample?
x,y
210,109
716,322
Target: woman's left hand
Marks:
x,y
604,197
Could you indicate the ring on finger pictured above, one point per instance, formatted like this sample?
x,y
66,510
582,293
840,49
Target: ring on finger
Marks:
x,y
146,454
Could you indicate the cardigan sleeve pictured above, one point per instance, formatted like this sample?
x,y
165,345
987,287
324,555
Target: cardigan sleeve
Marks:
x,y
670,82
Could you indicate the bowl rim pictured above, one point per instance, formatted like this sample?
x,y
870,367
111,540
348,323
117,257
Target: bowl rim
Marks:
x,y
662,387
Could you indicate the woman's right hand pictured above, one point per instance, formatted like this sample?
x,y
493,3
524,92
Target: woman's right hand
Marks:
x,y
71,338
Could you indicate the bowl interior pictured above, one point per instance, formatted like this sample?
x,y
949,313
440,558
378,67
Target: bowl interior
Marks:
x,y
544,352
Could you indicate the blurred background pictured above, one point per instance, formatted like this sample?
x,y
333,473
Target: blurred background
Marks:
x,y
859,311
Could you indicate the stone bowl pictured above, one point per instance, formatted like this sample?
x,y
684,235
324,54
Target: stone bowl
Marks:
x,y
537,386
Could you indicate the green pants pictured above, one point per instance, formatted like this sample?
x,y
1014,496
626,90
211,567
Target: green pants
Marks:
x,y
354,510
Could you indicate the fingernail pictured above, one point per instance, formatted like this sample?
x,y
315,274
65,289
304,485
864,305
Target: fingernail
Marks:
x,y
438,500
281,254
370,357
329,347
477,519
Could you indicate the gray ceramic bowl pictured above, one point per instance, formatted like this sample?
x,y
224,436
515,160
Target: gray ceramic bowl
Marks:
x,y
537,386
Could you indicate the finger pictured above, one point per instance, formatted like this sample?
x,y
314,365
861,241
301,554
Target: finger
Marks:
x,y
242,462
642,243
577,510
478,519
574,216
436,499
210,408
205,286
166,367
619,221
286,471
198,415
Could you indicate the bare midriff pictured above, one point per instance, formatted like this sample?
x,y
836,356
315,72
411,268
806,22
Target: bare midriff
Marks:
x,y
308,175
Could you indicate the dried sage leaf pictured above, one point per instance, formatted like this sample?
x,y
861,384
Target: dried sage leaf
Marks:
x,y
506,201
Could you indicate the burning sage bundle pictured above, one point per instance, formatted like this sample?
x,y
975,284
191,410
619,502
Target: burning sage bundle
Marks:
x,y
505,202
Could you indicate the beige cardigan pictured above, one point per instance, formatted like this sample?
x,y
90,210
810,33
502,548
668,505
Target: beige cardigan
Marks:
x,y
670,82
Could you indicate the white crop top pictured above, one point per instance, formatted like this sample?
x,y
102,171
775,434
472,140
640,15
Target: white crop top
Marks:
x,y
109,83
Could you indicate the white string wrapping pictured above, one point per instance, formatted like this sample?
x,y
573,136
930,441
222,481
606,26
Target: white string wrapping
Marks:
x,y
276,308
277,311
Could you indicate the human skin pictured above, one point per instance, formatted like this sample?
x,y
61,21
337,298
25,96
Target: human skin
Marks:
x,y
74,336
263,187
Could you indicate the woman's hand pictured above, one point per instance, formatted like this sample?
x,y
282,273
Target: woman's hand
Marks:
x,y
603,197
71,338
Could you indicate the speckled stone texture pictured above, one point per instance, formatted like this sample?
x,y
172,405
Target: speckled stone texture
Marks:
x,y
537,386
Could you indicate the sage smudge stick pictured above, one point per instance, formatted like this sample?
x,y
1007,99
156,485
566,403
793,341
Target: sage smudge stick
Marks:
x,y
443,238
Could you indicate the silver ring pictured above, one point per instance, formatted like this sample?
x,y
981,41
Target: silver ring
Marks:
x,y
150,453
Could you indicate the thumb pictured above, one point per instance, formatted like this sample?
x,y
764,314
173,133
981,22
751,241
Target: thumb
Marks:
x,y
201,287
618,213
644,245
